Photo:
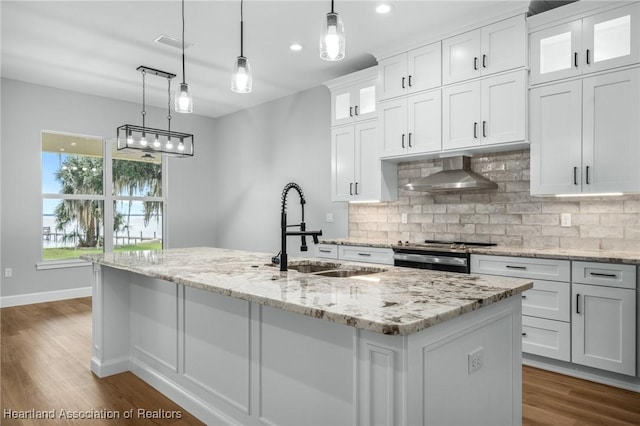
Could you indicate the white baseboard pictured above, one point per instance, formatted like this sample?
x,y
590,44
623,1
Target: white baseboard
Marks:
x,y
45,296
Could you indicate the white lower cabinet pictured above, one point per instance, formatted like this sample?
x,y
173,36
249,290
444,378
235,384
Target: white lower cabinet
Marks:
x,y
546,330
380,255
327,251
603,319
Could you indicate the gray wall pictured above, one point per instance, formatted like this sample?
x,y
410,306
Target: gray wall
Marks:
x,y
28,109
260,150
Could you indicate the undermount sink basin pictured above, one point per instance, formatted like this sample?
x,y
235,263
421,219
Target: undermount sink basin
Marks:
x,y
332,269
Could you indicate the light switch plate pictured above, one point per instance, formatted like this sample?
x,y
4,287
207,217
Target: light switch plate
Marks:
x,y
565,220
329,217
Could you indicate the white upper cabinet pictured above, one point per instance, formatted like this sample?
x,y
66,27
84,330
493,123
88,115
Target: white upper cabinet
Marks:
x,y
412,125
584,135
602,41
353,103
497,47
410,72
485,112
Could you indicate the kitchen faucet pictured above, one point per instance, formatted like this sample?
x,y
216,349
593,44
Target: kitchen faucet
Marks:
x,y
303,227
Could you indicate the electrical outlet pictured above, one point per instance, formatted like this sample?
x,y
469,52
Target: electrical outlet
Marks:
x,y
565,220
329,217
476,359
8,272
404,218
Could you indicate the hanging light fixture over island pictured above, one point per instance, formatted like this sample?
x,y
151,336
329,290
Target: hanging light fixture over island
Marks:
x,y
184,98
241,81
332,37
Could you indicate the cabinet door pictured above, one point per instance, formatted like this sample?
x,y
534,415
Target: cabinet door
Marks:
x,y
461,116
365,102
503,45
503,108
461,57
556,52
424,122
367,162
393,117
612,39
342,163
342,106
556,138
603,325
424,68
611,116
392,77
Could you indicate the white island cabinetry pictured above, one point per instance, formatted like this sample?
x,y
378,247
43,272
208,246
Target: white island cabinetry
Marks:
x,y
234,341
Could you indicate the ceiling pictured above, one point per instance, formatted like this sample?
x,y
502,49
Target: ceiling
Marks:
x,y
95,47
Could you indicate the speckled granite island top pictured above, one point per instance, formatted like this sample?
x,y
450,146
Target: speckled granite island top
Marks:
x,y
396,301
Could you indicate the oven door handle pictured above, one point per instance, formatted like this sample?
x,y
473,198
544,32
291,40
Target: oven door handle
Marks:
x,y
440,260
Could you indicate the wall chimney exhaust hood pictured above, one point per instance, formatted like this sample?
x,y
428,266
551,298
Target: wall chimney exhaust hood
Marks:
x,y
456,175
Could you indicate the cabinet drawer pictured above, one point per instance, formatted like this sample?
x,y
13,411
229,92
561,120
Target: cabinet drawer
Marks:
x,y
366,254
521,267
548,300
327,251
605,274
546,338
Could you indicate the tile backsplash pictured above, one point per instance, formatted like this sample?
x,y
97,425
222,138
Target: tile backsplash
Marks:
x,y
507,216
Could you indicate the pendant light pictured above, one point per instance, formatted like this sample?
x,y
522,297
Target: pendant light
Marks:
x,y
184,99
241,80
332,37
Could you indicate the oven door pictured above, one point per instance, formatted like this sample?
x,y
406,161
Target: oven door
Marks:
x,y
438,261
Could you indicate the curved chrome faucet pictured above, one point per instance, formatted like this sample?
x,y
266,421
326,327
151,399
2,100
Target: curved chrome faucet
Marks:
x,y
303,227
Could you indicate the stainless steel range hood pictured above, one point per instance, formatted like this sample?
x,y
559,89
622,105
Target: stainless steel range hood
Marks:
x,y
456,175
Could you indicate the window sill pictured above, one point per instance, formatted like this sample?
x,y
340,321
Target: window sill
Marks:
x,y
60,264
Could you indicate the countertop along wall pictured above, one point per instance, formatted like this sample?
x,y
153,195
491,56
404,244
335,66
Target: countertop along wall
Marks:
x,y
27,109
258,151
508,216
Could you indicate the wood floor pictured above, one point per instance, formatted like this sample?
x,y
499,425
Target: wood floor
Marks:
x,y
45,351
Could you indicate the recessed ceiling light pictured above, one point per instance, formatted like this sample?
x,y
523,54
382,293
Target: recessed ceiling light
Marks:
x,y
296,47
61,149
170,41
383,8
73,144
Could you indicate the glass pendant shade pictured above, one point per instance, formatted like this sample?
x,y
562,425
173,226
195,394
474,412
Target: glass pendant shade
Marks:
x,y
332,38
184,100
241,78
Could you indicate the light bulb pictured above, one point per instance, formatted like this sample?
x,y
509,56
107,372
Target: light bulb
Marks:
x,y
130,138
241,80
156,142
143,141
181,145
332,42
332,38
184,100
169,144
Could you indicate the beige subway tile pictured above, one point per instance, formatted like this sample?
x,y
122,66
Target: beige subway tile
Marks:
x,y
434,208
446,236
578,243
491,208
446,198
474,218
461,208
408,173
622,245
420,218
458,228
560,207
490,229
505,218
410,227
475,197
559,231
416,208
590,231
541,242
524,208
585,219
541,219
511,197
612,206
377,235
523,230
357,234
367,226
518,186
389,227
446,218
394,237
632,232
507,240
623,219
632,206
434,227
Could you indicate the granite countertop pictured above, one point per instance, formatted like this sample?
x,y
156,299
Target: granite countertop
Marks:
x,y
608,256
398,301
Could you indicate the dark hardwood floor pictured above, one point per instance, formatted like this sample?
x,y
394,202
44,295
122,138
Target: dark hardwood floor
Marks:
x,y
46,348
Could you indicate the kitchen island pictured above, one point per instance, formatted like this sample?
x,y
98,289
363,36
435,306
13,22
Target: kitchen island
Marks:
x,y
235,341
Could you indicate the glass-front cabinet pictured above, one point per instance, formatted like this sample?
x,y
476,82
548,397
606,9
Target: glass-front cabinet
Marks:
x,y
353,103
602,41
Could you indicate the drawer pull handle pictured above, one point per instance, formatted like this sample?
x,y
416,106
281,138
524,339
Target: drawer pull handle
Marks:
x,y
403,82
588,61
578,303
524,334
524,268
575,59
599,274
324,251
524,296
364,254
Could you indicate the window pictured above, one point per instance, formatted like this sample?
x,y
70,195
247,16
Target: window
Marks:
x,y
80,176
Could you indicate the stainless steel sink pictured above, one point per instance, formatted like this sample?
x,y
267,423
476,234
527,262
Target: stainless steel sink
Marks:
x,y
345,273
312,269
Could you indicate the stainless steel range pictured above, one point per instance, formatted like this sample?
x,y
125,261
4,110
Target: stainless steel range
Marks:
x,y
451,256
